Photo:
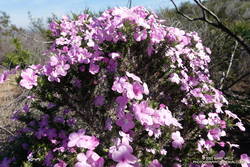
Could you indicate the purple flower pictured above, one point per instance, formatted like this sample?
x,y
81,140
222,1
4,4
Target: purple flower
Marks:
x,y
93,68
112,65
48,159
26,108
99,101
138,91
221,154
5,162
76,82
51,133
126,122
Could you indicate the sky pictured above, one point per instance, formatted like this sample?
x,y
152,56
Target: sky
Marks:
x,y
18,9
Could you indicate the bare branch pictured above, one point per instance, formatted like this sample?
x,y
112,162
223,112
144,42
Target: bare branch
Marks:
x,y
218,24
34,39
6,130
205,9
184,15
231,59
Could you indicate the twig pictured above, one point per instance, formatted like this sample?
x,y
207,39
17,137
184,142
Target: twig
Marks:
x,y
229,66
183,14
236,81
6,130
129,4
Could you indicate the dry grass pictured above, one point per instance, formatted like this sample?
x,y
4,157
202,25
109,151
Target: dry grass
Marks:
x,y
9,92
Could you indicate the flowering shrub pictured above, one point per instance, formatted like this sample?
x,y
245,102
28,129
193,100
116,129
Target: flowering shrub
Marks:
x,y
122,90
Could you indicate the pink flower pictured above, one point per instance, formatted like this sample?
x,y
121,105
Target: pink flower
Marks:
x,y
121,152
131,91
114,55
143,113
138,91
62,41
176,165
178,140
126,122
29,78
231,115
134,77
82,161
140,35
155,163
4,76
163,152
123,156
164,117
145,89
126,138
119,84
94,159
81,140
245,160
174,78
215,134
241,126
208,144
151,150
201,120
60,164
61,69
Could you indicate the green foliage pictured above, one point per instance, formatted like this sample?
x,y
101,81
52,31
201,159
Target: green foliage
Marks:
x,y
19,56
243,29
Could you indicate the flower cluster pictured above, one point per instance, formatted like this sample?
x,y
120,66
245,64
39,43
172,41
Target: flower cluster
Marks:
x,y
141,89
